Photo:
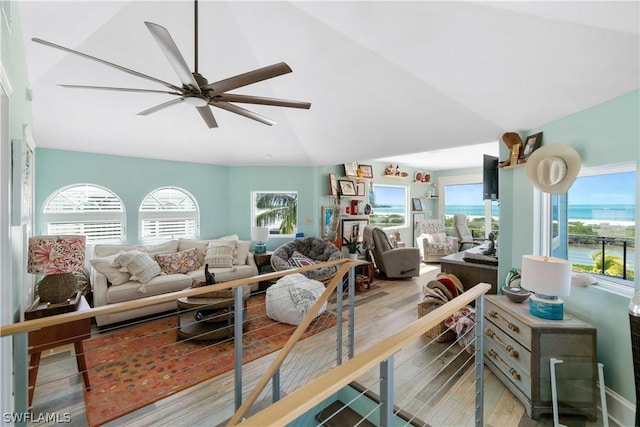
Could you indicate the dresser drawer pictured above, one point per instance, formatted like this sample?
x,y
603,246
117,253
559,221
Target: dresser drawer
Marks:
x,y
513,351
509,324
500,360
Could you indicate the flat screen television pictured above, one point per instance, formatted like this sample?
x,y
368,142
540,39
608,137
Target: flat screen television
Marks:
x,y
490,177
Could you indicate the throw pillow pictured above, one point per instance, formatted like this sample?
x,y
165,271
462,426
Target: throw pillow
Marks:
x,y
437,238
163,248
179,262
299,260
114,275
242,251
184,244
139,264
220,254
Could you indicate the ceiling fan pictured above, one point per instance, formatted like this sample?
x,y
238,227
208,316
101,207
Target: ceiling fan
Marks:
x,y
196,90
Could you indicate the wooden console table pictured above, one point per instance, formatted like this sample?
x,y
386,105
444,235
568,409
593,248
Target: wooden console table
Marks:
x,y
470,273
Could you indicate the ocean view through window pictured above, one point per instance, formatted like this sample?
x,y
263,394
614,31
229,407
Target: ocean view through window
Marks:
x,y
389,203
601,210
468,199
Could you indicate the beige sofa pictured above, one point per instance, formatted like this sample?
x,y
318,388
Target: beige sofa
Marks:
x,y
123,272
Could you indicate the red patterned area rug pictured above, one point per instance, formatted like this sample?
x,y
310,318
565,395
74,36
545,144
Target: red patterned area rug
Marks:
x,y
139,365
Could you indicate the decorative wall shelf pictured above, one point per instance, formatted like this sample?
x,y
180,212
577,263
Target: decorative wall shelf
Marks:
x,y
519,165
396,176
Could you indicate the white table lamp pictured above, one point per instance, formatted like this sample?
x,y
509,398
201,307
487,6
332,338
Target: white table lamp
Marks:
x,y
548,278
260,235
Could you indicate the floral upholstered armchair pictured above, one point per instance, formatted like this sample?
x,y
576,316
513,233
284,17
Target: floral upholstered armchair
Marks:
x,y
433,242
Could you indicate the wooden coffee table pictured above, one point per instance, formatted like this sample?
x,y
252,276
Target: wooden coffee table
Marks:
x,y
202,318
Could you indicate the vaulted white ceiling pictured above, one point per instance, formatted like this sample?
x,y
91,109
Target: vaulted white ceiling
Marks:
x,y
385,79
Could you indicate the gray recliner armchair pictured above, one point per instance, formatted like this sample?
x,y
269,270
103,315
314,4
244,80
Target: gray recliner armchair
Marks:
x,y
393,262
465,238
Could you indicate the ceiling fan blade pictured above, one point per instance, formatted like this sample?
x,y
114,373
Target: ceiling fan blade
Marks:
x,y
207,115
248,99
171,51
243,112
121,89
160,107
248,78
126,70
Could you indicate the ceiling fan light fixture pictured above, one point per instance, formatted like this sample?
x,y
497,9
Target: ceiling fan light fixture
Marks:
x,y
196,101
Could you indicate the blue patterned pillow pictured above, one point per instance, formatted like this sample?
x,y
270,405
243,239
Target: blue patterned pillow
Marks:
x,y
299,260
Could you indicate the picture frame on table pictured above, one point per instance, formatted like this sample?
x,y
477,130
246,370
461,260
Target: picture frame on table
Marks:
x,y
347,188
327,213
365,171
351,169
530,145
416,204
333,184
353,227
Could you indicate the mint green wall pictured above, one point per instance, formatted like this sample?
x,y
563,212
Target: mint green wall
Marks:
x,y
245,180
132,179
606,134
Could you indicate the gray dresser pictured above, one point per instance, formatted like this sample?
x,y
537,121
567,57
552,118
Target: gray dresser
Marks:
x,y
518,347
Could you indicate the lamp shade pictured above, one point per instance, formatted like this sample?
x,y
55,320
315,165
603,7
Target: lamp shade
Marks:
x,y
260,234
55,254
546,275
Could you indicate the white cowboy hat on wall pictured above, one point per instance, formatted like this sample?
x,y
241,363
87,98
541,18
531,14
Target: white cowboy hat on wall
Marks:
x,y
553,168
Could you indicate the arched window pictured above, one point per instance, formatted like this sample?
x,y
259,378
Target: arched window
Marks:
x,y
85,209
168,212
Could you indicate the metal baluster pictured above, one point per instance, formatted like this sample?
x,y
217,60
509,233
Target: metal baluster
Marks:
x,y
624,259
351,324
275,386
386,392
479,344
603,242
339,308
237,342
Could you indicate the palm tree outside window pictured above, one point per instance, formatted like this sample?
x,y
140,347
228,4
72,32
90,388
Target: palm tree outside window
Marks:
x,y
277,210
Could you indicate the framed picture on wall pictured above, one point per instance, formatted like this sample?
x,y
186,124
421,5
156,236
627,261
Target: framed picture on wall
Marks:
x,y
333,184
365,171
353,228
327,212
530,145
351,169
416,204
347,188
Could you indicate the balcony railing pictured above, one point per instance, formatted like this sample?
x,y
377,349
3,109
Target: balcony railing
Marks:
x,y
609,256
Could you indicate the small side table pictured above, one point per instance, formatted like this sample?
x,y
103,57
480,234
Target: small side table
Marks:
x,y
365,273
263,260
55,336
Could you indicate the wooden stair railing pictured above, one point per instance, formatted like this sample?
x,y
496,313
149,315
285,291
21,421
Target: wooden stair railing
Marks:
x,y
293,340
306,398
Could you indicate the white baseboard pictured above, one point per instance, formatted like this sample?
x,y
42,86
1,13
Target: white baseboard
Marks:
x,y
622,413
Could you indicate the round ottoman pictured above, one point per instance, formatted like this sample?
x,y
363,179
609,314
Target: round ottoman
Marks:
x,y
291,297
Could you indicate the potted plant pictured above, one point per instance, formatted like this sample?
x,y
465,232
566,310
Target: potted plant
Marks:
x,y
353,247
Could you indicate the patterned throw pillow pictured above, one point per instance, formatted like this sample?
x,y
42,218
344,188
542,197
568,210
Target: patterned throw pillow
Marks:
x,y
220,254
299,260
179,262
139,264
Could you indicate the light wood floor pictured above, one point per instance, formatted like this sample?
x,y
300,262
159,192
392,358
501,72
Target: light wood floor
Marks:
x,y
380,312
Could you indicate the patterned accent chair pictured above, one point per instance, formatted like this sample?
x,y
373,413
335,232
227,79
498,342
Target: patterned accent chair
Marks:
x,y
433,242
317,250
395,263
